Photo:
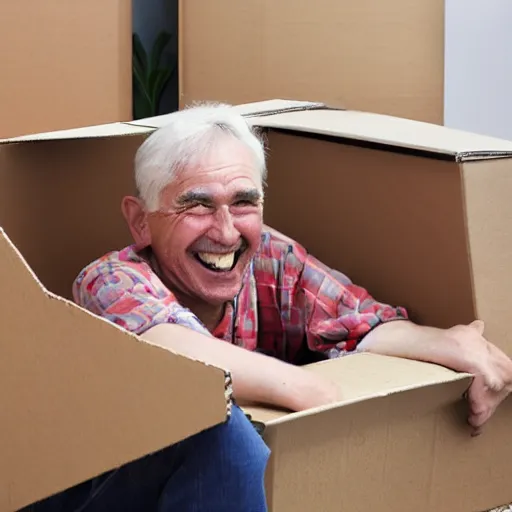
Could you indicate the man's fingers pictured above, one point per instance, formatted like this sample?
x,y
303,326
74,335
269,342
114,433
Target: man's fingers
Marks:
x,y
480,401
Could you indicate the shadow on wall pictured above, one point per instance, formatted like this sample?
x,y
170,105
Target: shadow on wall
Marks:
x,y
155,57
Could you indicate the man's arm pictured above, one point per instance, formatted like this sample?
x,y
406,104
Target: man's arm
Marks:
x,y
461,348
128,294
344,317
256,377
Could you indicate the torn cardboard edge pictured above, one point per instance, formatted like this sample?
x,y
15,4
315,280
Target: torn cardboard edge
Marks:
x,y
50,295
228,381
321,120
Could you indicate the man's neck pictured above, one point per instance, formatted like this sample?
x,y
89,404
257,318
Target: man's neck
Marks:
x,y
209,315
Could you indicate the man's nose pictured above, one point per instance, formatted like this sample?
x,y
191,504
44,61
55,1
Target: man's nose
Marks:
x,y
224,231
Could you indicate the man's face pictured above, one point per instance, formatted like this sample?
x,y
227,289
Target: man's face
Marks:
x,y
209,224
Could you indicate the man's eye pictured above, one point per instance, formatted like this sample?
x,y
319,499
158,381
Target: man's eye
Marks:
x,y
245,203
200,208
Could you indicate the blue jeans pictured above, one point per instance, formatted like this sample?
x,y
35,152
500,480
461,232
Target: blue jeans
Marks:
x,y
220,469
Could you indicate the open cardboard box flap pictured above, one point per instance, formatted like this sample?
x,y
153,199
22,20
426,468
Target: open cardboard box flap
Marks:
x,y
80,396
389,131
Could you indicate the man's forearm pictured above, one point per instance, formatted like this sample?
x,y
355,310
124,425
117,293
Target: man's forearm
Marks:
x,y
405,339
256,377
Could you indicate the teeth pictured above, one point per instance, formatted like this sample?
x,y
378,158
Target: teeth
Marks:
x,y
220,261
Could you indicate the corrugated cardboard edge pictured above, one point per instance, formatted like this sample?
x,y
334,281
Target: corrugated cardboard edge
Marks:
x,y
228,392
110,130
343,403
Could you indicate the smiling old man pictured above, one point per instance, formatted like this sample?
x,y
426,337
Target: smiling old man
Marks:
x,y
203,260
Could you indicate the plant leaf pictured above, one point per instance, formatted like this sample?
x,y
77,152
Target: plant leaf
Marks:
x,y
141,106
139,55
161,41
141,83
161,79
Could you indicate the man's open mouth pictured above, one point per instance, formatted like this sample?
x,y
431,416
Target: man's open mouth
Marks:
x,y
219,262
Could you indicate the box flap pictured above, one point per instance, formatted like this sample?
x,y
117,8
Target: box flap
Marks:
x,y
391,132
271,107
149,124
320,119
365,377
88,132
80,395
258,108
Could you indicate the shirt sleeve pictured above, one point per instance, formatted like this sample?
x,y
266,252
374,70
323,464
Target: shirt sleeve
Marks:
x,y
335,313
130,295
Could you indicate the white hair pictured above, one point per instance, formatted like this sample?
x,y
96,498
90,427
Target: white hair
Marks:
x,y
182,142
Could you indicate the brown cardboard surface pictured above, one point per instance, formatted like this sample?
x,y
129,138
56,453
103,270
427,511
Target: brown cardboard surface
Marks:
x,y
385,57
488,212
53,202
80,396
394,443
65,64
404,214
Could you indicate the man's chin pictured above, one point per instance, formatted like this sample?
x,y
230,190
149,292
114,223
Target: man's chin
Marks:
x,y
219,293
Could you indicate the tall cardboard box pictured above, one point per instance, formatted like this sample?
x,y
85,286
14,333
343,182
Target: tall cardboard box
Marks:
x,y
384,57
415,212
64,64
441,61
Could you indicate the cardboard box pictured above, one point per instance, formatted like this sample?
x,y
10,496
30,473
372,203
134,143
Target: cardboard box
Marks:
x,y
424,212
384,57
407,59
423,218
78,395
397,442
65,64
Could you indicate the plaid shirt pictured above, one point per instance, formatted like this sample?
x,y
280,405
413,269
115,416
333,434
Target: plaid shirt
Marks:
x,y
289,302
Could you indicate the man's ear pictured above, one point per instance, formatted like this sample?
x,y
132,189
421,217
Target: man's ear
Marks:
x,y
136,218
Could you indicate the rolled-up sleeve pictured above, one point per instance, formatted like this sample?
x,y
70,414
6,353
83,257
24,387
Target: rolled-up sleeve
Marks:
x,y
131,296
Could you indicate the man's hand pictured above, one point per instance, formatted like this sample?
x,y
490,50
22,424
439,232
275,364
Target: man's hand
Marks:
x,y
491,367
462,348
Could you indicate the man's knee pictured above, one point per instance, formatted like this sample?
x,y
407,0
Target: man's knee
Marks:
x,y
237,445
250,448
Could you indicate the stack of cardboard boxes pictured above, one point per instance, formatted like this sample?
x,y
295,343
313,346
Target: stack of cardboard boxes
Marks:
x,y
64,64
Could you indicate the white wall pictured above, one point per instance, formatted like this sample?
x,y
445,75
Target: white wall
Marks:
x,y
478,66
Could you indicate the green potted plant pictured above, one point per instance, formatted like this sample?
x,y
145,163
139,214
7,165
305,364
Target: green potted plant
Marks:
x,y
150,76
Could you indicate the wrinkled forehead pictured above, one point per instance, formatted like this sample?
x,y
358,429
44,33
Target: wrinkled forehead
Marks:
x,y
226,170
212,189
